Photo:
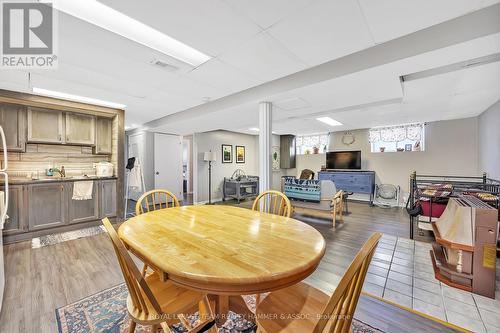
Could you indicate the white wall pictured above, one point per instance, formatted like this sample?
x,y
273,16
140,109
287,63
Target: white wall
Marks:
x,y
489,141
451,149
213,141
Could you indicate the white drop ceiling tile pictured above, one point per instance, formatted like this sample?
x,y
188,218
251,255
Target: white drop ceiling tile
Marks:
x,y
472,104
210,26
264,57
486,3
479,78
98,41
449,55
438,87
292,103
224,77
352,90
266,13
389,19
324,30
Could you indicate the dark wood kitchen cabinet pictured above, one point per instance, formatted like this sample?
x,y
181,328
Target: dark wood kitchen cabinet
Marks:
x,y
16,223
80,129
13,122
45,126
47,205
108,198
82,210
103,136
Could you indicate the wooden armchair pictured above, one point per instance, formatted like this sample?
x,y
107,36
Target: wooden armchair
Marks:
x,y
304,309
157,303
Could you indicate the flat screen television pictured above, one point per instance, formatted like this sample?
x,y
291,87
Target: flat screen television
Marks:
x,y
343,159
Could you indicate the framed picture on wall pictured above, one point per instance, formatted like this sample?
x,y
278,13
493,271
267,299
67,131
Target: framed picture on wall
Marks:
x,y
227,154
240,154
276,157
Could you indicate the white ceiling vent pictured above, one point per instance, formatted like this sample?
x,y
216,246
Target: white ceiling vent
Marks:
x,y
164,65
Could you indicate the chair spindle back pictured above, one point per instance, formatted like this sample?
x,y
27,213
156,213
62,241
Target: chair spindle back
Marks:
x,y
155,199
139,291
273,202
339,310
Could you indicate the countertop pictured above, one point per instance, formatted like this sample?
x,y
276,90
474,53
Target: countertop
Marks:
x,y
25,181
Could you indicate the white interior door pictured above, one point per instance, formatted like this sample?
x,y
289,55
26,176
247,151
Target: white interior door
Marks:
x,y
168,163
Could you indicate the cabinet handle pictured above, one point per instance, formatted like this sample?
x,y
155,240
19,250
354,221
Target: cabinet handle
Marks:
x,y
59,137
67,138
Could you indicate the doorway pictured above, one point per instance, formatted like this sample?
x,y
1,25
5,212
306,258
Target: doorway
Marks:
x,y
187,168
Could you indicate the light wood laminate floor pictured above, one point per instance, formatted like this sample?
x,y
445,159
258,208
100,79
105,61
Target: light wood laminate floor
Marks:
x,y
40,280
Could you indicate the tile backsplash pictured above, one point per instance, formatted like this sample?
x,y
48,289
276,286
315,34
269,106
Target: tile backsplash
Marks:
x,y
77,160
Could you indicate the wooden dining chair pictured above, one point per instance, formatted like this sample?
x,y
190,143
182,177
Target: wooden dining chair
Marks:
x,y
273,202
302,308
337,206
156,303
155,199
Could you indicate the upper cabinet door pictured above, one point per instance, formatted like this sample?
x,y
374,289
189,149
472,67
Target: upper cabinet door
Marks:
x,y
45,126
104,129
13,122
80,129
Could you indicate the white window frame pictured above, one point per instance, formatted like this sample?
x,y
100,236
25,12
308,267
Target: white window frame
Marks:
x,y
399,139
322,140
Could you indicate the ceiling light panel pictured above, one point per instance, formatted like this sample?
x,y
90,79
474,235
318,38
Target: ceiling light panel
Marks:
x,y
329,121
112,20
76,98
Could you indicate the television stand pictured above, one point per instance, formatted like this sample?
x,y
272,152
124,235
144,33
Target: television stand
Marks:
x,y
356,181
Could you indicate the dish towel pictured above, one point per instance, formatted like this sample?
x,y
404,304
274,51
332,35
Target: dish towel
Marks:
x,y
135,180
83,190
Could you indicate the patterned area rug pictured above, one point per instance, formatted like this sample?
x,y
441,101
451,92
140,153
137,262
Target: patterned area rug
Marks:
x,y
106,311
65,236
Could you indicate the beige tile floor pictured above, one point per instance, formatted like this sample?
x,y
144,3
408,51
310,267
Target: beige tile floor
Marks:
x,y
401,272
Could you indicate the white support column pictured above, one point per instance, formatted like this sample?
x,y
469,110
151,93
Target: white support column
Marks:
x,y
265,140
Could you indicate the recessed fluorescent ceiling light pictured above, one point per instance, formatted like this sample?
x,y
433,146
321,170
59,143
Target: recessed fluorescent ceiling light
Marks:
x,y
255,129
110,19
329,121
71,97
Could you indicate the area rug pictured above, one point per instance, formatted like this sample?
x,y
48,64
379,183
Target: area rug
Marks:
x,y
65,236
106,311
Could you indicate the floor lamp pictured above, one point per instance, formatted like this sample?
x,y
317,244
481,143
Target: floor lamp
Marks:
x,y
209,157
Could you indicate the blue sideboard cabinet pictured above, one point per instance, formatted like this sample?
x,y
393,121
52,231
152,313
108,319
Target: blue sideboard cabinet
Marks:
x,y
351,181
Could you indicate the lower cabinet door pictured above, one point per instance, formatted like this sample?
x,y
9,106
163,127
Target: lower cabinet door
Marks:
x,y
47,205
16,223
83,210
108,198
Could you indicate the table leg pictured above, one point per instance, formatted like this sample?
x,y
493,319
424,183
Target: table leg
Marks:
x,y
221,308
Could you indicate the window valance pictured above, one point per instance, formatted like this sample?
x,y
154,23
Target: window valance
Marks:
x,y
396,133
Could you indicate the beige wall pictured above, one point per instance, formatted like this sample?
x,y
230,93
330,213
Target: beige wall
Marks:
x,y
451,149
489,141
213,141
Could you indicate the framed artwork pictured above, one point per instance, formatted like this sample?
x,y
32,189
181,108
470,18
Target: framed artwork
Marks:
x,y
240,154
227,154
276,157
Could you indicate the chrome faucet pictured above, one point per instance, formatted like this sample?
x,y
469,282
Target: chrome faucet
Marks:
x,y
62,172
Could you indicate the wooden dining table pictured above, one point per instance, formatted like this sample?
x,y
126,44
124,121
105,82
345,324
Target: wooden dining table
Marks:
x,y
224,250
